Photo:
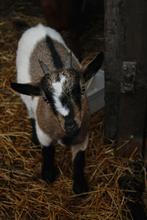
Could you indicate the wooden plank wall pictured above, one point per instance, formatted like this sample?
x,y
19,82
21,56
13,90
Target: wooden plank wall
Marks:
x,y
126,93
126,71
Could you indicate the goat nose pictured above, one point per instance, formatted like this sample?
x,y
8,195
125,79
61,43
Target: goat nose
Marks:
x,y
71,126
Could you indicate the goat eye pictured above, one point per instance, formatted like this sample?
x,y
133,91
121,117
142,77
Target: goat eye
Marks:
x,y
82,90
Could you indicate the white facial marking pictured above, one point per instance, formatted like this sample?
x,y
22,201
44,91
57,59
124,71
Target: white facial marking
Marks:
x,y
58,88
58,85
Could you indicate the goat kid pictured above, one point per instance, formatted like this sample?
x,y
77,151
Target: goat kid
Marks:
x,y
50,80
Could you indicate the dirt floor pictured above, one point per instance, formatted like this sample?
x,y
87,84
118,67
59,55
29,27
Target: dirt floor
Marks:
x,y
23,195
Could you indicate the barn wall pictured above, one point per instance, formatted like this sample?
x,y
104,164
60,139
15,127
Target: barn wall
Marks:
x,y
126,68
126,93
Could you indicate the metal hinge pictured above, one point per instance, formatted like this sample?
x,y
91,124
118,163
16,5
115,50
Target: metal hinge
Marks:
x,y
128,77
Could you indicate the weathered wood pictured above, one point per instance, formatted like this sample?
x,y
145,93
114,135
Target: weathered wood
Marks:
x,y
125,40
113,62
132,111
126,91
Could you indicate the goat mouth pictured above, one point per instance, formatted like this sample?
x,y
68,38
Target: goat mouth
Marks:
x,y
72,132
70,136
71,127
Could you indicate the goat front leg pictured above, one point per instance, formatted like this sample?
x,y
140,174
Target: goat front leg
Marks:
x,y
49,170
34,134
78,158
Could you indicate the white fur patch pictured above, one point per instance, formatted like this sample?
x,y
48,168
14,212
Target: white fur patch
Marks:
x,y
34,106
28,102
43,138
31,104
58,88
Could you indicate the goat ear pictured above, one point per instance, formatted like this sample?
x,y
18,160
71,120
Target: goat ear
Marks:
x,y
93,67
26,89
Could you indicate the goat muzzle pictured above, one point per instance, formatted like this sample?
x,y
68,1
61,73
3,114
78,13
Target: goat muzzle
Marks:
x,y
71,127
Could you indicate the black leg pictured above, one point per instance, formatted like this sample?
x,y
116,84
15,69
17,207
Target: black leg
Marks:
x,y
34,135
49,170
79,182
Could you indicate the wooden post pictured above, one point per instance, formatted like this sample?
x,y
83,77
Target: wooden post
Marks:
x,y
126,89
134,80
126,70
113,64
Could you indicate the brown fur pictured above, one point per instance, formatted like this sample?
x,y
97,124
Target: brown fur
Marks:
x,y
50,124
85,123
42,52
47,121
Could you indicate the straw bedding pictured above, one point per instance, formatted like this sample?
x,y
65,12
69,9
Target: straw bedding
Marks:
x,y
23,195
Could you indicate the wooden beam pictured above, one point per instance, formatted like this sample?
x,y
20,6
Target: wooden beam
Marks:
x,y
113,63
125,72
126,93
132,110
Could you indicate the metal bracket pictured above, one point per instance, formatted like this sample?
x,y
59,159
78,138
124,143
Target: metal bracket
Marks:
x,y
128,77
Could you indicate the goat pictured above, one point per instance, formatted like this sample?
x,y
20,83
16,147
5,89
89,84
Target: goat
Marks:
x,y
50,81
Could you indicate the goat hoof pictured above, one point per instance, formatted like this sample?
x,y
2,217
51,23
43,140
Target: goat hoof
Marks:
x,y
80,187
50,177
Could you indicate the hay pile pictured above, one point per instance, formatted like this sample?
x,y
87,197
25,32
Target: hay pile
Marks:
x,y
23,195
